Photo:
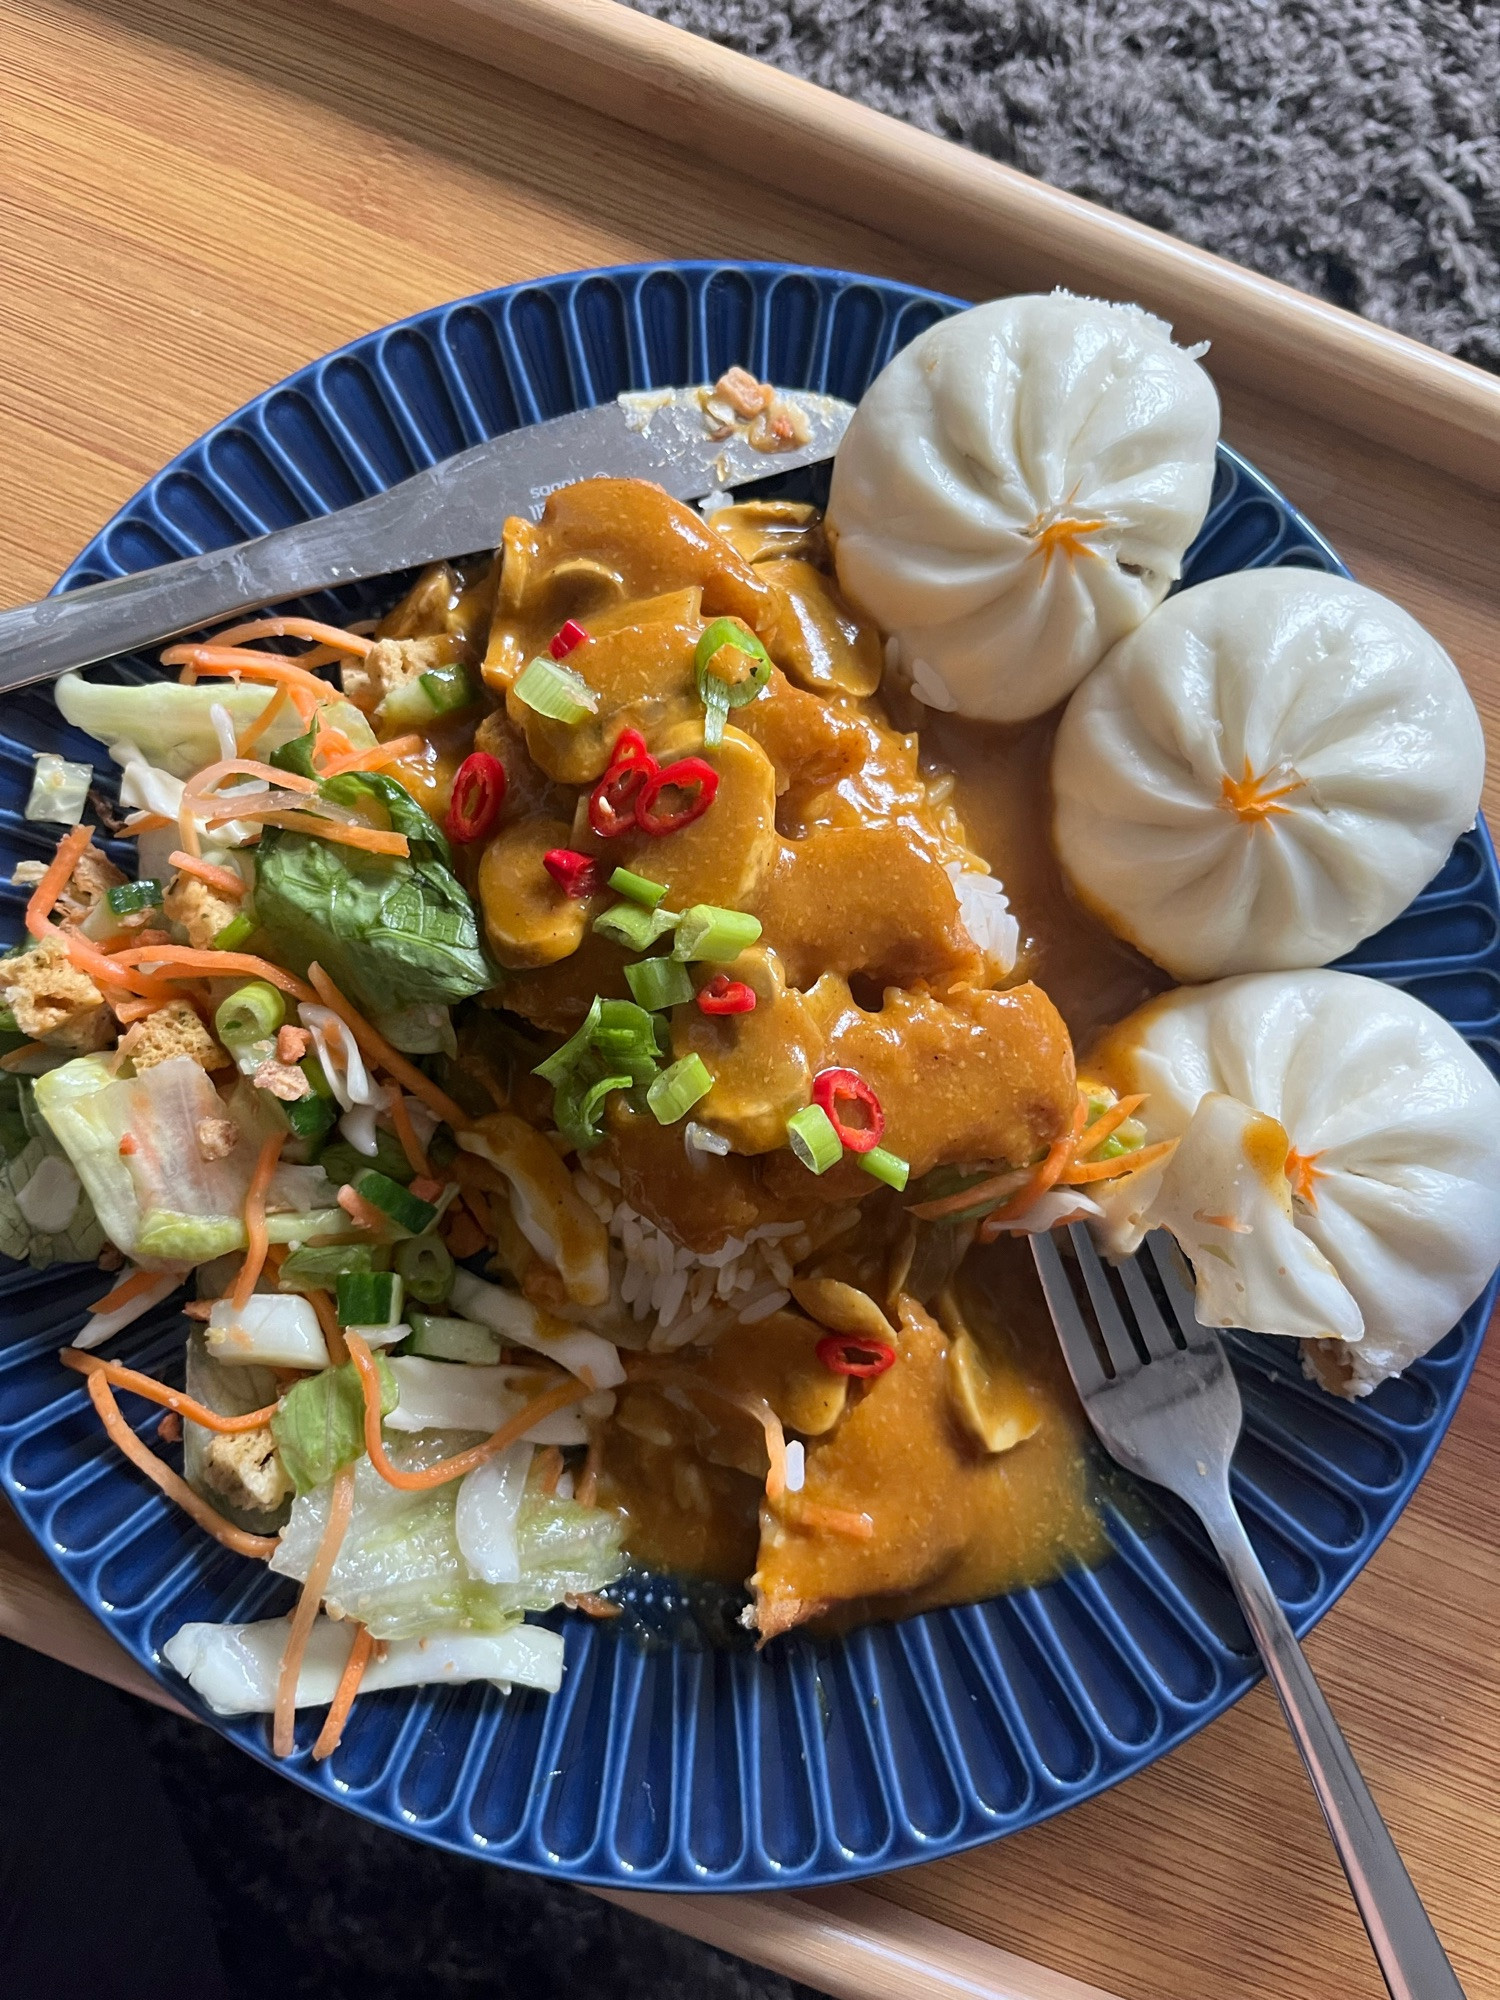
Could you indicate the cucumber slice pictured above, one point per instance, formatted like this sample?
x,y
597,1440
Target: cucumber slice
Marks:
x,y
369,1298
404,1209
442,1339
418,702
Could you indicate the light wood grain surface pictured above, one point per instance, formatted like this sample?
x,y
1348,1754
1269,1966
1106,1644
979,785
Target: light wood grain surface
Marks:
x,y
193,201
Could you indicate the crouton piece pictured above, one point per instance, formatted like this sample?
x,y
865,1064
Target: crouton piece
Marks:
x,y
93,873
201,911
217,1138
46,991
391,663
244,1468
172,1030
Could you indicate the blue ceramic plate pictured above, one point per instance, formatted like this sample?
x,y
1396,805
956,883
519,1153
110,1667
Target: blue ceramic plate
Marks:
x,y
679,1766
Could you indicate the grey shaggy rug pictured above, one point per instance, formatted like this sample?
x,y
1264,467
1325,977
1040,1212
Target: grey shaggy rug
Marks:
x,y
1349,147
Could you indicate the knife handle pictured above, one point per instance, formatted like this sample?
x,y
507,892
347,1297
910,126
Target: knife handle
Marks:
x,y
39,641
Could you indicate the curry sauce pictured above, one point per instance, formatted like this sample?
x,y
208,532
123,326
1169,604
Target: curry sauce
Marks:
x,y
846,825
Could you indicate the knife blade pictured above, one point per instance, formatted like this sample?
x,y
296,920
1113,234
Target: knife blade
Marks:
x,y
455,507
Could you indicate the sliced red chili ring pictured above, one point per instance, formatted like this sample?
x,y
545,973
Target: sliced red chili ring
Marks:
x,y
565,640
852,1107
851,1354
724,995
630,748
614,803
577,875
477,796
694,779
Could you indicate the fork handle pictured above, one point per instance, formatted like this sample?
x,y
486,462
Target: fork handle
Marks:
x,y
1412,1960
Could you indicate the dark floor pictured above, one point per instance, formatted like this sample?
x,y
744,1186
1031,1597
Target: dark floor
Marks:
x,y
307,1902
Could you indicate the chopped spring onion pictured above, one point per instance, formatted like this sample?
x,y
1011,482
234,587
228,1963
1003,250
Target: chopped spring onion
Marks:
x,y
441,1339
811,1136
731,667
234,933
369,1298
886,1166
636,929
320,1267
59,790
703,1139
250,1014
562,1061
419,701
308,1119
707,932
393,1200
678,1089
639,888
659,983
127,899
578,1105
623,1033
426,1267
556,691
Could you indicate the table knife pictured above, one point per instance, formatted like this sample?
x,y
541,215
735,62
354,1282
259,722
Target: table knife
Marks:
x,y
455,507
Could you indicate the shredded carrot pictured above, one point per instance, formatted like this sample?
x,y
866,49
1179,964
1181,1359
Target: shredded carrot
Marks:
x,y
1115,1169
153,1391
1043,1176
128,1288
181,961
343,1695
127,1012
17,1059
411,1145
251,734
333,1334
592,1605
169,1427
58,874
340,1507
570,1390
992,1190
198,1309
230,663
332,636
1106,1125
462,1234
379,1050
225,880
255,1219
143,822
834,1520
176,1488
106,969
549,1469
342,833
425,1187
206,783
588,1486
375,758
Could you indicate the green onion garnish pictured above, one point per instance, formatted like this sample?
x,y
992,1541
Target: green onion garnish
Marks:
x,y
250,1014
639,888
636,929
574,1049
234,933
126,898
887,1167
707,932
309,1118
731,667
556,691
369,1298
811,1136
658,983
617,1048
426,1268
393,1200
678,1089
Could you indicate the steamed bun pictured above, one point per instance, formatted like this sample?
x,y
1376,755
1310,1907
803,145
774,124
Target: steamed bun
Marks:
x,y
1015,492
1337,1172
1263,773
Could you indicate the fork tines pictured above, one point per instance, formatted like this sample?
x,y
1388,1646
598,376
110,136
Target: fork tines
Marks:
x,y
1109,1342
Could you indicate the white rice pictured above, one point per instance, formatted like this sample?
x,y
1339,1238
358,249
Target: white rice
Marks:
x,y
686,1295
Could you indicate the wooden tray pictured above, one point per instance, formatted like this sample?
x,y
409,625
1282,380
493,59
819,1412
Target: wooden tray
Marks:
x,y
220,194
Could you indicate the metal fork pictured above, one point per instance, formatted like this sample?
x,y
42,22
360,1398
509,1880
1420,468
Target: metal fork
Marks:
x,y
1165,1404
